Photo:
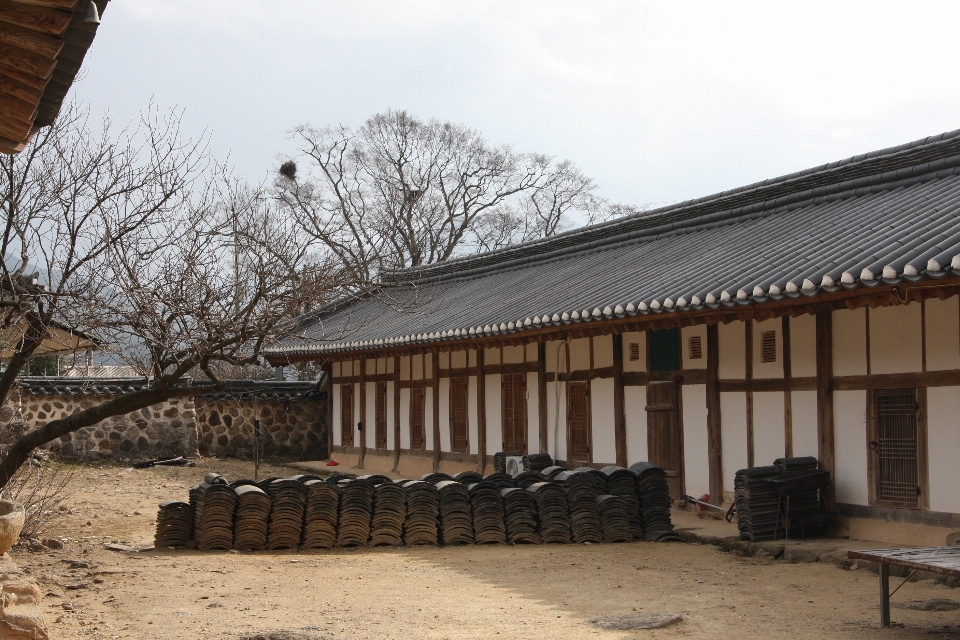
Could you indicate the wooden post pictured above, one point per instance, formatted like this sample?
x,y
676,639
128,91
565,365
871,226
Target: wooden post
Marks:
x,y
363,411
396,413
436,411
748,374
714,438
481,414
619,414
825,433
787,388
328,368
542,397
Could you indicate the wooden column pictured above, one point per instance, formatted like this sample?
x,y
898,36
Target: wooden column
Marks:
x,y
396,413
481,414
436,411
787,394
825,434
619,414
328,368
748,375
363,411
542,397
714,439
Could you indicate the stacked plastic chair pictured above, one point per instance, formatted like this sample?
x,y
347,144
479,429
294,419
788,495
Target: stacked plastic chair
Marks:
x,y
423,513
389,514
321,515
488,518
654,495
174,524
520,516
356,512
213,507
623,483
456,518
581,490
252,518
614,522
553,518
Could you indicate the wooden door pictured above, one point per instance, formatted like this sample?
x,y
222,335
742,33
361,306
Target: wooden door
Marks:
x,y
346,415
664,433
894,446
578,421
458,415
418,437
514,412
381,415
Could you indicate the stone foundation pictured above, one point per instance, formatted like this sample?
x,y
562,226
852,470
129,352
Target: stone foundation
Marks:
x,y
20,612
294,428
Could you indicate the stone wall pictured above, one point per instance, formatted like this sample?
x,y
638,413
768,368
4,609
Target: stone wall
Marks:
x,y
290,428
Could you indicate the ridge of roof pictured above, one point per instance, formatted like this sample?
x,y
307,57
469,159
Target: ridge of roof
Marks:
x,y
909,160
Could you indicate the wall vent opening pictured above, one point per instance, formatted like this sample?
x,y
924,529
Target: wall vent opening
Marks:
x,y
768,346
634,350
696,348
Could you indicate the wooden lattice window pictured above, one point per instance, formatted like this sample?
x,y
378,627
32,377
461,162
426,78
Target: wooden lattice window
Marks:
x,y
768,346
634,351
897,461
578,421
418,435
514,387
381,415
346,415
696,348
458,414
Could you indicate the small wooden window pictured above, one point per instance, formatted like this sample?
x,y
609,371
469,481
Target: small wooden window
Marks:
x,y
381,415
458,414
634,351
696,348
578,421
514,405
346,415
418,435
768,346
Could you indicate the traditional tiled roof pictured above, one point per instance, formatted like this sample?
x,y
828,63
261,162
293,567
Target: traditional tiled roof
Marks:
x,y
884,217
233,389
267,390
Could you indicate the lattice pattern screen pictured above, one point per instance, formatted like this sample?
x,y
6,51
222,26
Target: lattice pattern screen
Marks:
x,y
346,415
381,418
458,414
897,468
418,437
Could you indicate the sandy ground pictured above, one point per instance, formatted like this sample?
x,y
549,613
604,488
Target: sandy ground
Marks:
x,y
518,592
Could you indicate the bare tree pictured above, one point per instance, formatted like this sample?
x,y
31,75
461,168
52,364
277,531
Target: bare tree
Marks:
x,y
180,266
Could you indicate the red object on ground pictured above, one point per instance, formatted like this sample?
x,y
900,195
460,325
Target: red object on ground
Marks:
x,y
333,463
704,498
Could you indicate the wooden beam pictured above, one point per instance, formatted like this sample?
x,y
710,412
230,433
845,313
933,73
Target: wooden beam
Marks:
x,y
69,5
714,434
36,18
481,414
619,413
14,128
12,57
542,397
787,393
396,413
17,109
39,43
435,366
825,432
363,411
748,375
14,86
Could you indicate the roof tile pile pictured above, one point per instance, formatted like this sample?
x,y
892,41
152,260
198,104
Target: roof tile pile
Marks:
x,y
553,517
356,511
468,477
423,513
582,492
289,501
614,522
526,478
389,514
321,515
174,524
488,517
654,495
520,516
213,506
537,461
251,519
623,483
456,519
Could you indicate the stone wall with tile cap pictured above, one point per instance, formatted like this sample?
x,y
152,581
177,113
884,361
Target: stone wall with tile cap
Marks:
x,y
293,428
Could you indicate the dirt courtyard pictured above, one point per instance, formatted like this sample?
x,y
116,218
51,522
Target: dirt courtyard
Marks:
x,y
520,592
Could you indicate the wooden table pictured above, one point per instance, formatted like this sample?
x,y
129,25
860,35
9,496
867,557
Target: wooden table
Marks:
x,y
942,560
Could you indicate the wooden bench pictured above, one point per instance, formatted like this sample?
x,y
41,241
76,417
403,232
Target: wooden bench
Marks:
x,y
942,560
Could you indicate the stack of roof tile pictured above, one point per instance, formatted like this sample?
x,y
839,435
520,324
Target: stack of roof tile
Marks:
x,y
520,516
423,512
537,461
456,518
289,498
623,483
500,460
654,495
356,511
213,507
174,524
803,463
251,519
581,490
526,478
321,515
551,472
502,480
434,478
756,503
375,479
486,505
389,514
553,518
468,477
614,522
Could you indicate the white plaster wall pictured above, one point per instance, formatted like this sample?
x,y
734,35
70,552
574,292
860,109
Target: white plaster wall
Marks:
x,y
533,414
491,356
803,346
428,417
552,357
733,434
458,360
579,354
473,414
769,369
557,437
850,437
806,442
685,334
640,338
634,405
404,418
696,460
444,414
604,447
850,342
391,414
427,367
513,355
405,367
444,360
336,369
895,339
371,365
417,361
768,431
494,415
602,351
943,438
381,365
370,424
943,334
732,339
337,438
531,352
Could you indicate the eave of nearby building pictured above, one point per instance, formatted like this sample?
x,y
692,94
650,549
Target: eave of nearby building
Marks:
x,y
42,46
870,227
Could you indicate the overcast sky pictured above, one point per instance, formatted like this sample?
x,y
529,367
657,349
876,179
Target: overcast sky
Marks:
x,y
658,101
